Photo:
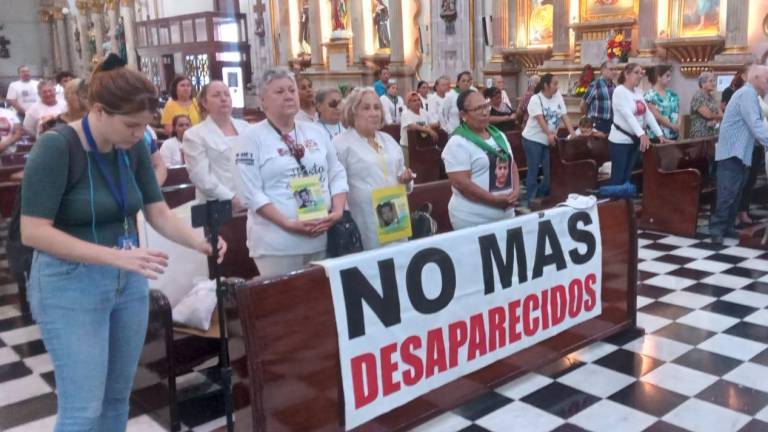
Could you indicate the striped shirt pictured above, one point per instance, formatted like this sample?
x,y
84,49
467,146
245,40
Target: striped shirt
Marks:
x,y
742,125
598,99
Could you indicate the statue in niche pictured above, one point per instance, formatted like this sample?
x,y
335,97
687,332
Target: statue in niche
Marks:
x,y
381,21
448,14
304,28
339,15
120,38
78,47
91,39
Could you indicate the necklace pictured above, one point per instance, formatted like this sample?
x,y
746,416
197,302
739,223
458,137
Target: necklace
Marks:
x,y
331,134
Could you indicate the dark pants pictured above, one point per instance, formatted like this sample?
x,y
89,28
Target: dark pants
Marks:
x,y
623,161
602,125
755,169
731,176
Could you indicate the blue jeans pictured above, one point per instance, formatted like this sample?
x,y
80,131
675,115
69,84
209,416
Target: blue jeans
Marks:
x,y
623,161
731,176
93,320
536,153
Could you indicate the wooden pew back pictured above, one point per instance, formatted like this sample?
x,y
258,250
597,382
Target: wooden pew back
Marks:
x,y
178,195
425,156
393,130
292,349
515,139
177,175
437,194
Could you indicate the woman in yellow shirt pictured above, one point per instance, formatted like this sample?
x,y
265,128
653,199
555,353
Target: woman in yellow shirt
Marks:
x,y
181,102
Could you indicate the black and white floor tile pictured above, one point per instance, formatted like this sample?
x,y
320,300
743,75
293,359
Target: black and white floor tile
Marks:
x,y
701,366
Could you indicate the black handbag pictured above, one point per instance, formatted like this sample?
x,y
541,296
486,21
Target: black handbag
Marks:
x,y
344,237
422,222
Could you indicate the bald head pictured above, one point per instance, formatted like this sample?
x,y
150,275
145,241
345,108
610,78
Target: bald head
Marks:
x,y
758,77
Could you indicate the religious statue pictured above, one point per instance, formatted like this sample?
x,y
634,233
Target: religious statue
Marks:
x,y
381,21
339,15
120,39
78,47
92,39
304,28
448,10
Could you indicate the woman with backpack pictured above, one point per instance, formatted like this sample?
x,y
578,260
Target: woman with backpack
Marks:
x,y
88,288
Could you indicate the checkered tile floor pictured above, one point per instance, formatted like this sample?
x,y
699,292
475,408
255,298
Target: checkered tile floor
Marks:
x,y
702,364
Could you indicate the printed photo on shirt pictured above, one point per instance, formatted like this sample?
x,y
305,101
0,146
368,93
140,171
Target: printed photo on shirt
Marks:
x,y
500,174
307,192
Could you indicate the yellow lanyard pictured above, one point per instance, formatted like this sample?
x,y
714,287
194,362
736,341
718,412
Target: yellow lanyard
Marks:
x,y
381,158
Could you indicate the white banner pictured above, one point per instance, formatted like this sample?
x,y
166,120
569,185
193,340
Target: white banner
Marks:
x,y
414,316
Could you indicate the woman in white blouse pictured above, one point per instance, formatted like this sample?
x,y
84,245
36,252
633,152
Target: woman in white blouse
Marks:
x,y
372,159
209,146
274,155
415,118
631,116
171,148
392,104
451,118
480,166
328,102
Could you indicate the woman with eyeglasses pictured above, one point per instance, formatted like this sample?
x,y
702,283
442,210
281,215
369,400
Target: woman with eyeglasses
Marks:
x,y
290,180
631,117
372,159
546,109
480,166
451,113
328,102
209,146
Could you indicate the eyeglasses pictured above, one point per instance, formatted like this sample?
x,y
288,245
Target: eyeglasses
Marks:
x,y
334,103
484,107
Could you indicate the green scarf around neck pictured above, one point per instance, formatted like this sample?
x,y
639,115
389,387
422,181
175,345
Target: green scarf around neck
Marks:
x,y
502,152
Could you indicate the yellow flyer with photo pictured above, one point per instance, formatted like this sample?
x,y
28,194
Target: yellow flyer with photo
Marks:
x,y
308,193
390,205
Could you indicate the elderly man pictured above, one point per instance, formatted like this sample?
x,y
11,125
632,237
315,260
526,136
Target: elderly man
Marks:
x,y
742,125
597,100
498,82
22,93
48,107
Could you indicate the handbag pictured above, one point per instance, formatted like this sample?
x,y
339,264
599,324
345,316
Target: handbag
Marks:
x,y
422,222
344,237
635,139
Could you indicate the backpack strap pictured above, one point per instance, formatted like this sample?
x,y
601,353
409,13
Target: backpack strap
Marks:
x,y
76,152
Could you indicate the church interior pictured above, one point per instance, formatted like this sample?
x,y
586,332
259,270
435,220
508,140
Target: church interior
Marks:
x,y
679,341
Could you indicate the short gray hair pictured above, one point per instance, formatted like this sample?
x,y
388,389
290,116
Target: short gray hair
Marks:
x,y
533,80
324,93
274,74
443,78
45,82
756,70
704,77
353,101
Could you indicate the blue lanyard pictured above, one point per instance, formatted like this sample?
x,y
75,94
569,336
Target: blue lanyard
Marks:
x,y
119,194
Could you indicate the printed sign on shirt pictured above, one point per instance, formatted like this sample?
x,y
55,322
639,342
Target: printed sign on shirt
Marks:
x,y
308,194
390,205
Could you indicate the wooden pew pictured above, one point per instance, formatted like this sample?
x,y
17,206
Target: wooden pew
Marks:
x,y
437,194
675,177
574,166
177,175
393,130
178,195
7,171
8,192
424,156
14,158
24,147
515,139
292,349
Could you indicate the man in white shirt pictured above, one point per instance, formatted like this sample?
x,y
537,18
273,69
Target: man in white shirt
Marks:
x,y
48,107
498,82
10,130
62,78
22,93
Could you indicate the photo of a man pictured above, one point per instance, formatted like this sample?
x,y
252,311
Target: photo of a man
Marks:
x,y
304,198
387,214
499,175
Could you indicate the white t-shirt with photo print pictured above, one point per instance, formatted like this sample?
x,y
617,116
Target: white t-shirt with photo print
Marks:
x,y
553,109
265,168
460,154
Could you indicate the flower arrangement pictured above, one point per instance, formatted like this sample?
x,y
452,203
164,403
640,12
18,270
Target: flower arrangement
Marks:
x,y
587,76
618,48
